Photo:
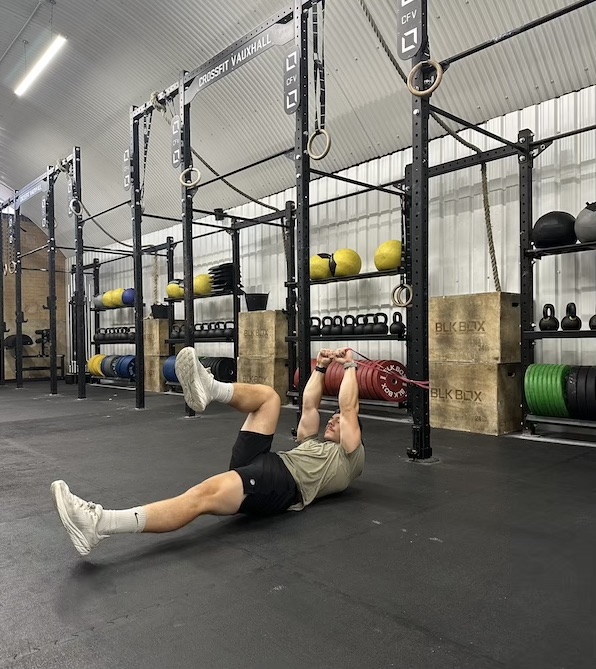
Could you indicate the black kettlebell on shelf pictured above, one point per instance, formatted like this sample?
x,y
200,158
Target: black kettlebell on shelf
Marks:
x,y
337,327
398,327
327,324
592,323
199,330
349,325
229,329
548,320
361,321
315,326
369,325
571,321
380,324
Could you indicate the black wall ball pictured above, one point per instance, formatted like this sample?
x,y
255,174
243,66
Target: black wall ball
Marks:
x,y
557,228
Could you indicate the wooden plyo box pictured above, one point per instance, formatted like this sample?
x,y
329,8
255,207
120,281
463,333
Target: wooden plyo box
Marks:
x,y
267,370
483,398
155,333
154,378
475,328
262,333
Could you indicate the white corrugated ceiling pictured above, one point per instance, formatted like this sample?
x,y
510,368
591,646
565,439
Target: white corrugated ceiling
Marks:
x,y
118,53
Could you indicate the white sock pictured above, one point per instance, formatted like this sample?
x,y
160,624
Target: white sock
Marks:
x,y
222,391
126,521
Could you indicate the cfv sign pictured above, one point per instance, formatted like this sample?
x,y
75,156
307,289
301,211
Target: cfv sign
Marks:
x,y
409,28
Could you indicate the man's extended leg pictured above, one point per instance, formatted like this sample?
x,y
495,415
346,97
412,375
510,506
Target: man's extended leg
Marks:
x,y
88,523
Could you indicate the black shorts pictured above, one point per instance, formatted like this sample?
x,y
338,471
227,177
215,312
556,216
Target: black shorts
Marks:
x,y
268,485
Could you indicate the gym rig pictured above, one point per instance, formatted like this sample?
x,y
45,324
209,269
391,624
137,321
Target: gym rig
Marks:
x,y
425,76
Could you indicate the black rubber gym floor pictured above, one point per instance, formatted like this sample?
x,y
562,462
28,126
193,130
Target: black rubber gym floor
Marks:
x,y
486,559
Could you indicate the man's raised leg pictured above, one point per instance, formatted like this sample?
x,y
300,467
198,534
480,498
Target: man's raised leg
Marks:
x,y
260,402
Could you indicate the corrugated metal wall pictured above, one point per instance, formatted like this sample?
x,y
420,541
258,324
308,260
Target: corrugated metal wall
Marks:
x,y
459,260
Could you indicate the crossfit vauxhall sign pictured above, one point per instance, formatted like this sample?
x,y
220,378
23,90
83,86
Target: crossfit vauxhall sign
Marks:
x,y
229,61
409,28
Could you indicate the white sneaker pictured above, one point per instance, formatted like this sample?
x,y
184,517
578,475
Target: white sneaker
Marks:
x,y
80,518
195,380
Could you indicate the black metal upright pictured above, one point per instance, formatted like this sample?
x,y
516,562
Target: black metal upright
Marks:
x,y
2,321
52,298
236,306
19,317
290,254
170,246
136,216
417,355
79,293
302,166
96,266
526,166
187,216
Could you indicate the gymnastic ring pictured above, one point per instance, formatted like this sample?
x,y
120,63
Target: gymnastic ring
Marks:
x,y
327,147
12,267
427,92
396,295
76,206
188,171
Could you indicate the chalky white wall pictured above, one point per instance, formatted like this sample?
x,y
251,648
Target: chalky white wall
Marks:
x,y
564,178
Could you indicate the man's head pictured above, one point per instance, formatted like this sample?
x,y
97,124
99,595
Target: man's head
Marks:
x,y
332,429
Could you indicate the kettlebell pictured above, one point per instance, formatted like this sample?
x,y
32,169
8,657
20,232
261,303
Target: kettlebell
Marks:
x,y
327,323
380,324
337,327
571,321
592,323
315,326
369,325
199,330
100,335
349,323
361,321
229,329
548,320
175,332
398,327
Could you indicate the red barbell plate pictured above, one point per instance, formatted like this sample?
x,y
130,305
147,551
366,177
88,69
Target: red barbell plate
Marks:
x,y
390,387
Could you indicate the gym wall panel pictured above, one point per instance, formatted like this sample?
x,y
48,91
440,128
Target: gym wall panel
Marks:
x,y
458,257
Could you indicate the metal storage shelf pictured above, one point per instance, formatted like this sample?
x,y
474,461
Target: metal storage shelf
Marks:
x,y
357,277
569,422
126,306
201,297
559,334
202,340
352,338
558,250
113,341
363,402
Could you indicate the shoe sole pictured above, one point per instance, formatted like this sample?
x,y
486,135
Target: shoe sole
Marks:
x,y
187,372
59,491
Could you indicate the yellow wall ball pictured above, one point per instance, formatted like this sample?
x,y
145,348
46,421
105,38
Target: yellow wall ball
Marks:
x,y
319,267
117,294
202,284
388,255
108,299
345,262
175,289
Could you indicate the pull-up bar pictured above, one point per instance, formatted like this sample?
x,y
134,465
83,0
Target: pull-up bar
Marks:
x,y
516,31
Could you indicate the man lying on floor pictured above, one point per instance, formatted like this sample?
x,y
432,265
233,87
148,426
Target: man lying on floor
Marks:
x,y
259,481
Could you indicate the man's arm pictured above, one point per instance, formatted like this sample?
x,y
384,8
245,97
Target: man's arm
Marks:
x,y
348,402
311,399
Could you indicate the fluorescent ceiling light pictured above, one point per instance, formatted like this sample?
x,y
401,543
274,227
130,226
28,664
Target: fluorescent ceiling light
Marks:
x,y
41,64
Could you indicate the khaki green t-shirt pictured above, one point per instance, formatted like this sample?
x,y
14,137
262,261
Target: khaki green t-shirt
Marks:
x,y
321,468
